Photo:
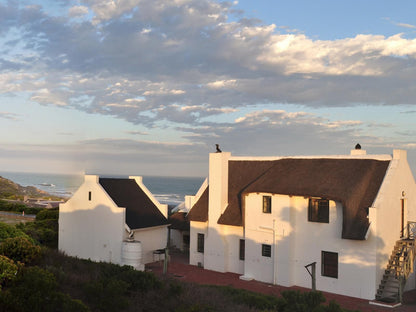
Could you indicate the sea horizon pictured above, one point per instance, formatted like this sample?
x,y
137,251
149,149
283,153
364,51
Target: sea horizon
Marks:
x,y
167,189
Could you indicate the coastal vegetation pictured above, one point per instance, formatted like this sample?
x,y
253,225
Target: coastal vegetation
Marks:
x,y
35,276
12,190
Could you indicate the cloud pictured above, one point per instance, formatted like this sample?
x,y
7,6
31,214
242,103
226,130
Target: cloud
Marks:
x,y
9,116
137,132
77,11
146,61
406,25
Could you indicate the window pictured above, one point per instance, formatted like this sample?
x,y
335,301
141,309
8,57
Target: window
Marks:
x,y
89,196
267,204
318,210
242,249
200,246
266,250
329,264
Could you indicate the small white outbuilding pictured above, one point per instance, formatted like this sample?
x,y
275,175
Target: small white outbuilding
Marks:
x,y
113,220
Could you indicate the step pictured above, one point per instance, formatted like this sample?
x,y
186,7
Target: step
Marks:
x,y
391,281
387,293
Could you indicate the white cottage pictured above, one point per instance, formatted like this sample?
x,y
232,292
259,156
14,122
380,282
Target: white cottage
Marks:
x,y
268,218
113,220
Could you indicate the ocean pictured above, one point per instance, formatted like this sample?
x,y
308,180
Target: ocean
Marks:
x,y
167,190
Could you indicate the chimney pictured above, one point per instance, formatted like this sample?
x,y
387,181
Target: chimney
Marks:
x,y
218,184
358,151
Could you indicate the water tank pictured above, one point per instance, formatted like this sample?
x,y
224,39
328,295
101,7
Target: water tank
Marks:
x,y
131,254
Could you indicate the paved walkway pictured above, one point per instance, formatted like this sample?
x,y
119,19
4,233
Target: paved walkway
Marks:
x,y
178,268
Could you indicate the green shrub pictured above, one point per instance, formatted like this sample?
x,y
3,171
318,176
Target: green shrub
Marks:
x,y
296,301
45,231
107,294
253,300
46,214
138,280
8,270
20,249
7,231
35,290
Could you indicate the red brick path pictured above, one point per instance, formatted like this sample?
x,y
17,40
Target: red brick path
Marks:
x,y
178,268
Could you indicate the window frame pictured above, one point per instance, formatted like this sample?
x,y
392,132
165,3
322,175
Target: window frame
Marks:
x,y
329,264
200,243
267,204
266,250
242,250
318,210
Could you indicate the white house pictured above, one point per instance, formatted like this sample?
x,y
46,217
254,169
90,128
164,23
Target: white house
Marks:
x,y
113,220
268,218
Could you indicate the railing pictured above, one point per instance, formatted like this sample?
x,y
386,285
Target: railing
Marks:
x,y
409,231
406,256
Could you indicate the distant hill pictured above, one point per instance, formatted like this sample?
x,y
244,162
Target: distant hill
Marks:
x,y
10,189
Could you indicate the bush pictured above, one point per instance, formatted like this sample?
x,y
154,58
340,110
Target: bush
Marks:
x,y
46,214
18,207
8,270
296,301
20,249
107,294
35,290
7,231
253,300
45,231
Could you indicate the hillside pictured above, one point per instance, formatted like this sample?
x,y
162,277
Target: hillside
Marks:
x,y
10,189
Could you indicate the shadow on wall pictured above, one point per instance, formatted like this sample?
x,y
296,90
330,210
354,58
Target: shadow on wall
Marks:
x,y
95,234
356,261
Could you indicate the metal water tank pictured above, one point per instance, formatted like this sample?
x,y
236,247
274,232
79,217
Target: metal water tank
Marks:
x,y
131,254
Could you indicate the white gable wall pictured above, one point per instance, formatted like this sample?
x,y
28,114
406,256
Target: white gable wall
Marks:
x,y
91,229
398,185
297,242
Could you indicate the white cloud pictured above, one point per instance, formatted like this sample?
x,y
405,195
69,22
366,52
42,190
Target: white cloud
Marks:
x,y
146,61
163,92
406,25
77,11
10,116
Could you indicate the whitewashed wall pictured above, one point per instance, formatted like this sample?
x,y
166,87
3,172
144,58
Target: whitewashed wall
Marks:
x,y
152,239
298,242
91,229
196,257
399,184
176,239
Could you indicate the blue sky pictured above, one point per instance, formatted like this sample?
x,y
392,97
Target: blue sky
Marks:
x,y
148,87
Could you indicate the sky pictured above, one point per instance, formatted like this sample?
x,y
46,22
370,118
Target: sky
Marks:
x,y
148,87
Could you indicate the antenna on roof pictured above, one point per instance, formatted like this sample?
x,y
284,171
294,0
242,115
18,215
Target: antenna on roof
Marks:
x,y
218,148
358,146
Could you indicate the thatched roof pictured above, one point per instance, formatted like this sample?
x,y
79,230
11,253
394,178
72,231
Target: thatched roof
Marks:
x,y
141,212
353,182
199,211
179,221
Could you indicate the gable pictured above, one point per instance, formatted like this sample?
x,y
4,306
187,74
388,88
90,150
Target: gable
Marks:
x,y
353,182
141,212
